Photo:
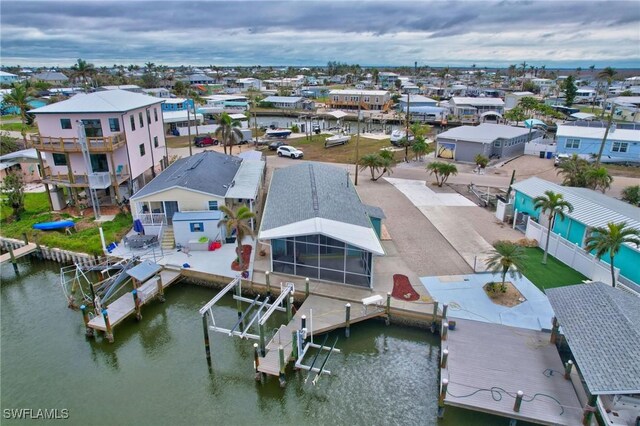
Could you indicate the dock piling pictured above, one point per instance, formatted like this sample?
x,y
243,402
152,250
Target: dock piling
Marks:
x,y
268,280
445,356
262,338
445,307
445,329
207,348
289,312
136,302
589,409
555,330
434,321
306,287
303,322
256,362
347,319
85,317
239,304
294,345
567,369
443,394
107,324
13,259
388,310
283,365
25,238
518,403
160,289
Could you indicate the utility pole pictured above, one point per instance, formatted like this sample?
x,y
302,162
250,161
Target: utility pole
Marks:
x,y
406,160
358,137
189,129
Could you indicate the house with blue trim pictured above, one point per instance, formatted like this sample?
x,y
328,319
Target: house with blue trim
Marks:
x,y
8,78
590,209
178,104
585,137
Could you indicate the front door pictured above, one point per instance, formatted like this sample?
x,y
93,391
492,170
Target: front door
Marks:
x,y
170,207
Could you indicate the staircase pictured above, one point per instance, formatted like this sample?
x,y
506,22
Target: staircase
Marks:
x,y
168,239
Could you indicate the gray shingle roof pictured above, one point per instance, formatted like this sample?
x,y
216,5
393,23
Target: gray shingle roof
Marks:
x,y
209,172
50,76
310,190
602,327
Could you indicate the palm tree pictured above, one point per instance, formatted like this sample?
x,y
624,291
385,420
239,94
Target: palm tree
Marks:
x,y
598,178
420,148
607,74
82,71
609,240
506,257
554,205
573,171
19,98
228,131
238,222
442,171
382,163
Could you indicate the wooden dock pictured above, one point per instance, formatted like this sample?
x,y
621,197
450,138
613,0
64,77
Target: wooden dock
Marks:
x,y
19,252
124,306
489,363
328,315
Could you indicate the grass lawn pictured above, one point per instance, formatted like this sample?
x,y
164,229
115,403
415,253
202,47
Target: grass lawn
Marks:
x,y
553,274
17,127
86,238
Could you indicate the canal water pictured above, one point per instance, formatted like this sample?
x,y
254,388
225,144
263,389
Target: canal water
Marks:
x,y
156,373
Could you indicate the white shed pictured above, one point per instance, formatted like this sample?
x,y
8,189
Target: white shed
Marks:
x,y
190,228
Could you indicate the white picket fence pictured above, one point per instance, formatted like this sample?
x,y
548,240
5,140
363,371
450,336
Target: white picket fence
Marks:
x,y
571,254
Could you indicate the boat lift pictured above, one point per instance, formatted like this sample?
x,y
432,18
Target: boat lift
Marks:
x,y
303,347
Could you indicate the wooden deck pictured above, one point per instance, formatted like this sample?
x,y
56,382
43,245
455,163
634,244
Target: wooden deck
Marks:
x,y
485,356
19,252
124,306
328,315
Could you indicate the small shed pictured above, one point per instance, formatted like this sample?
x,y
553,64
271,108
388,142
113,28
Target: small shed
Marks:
x,y
190,227
376,215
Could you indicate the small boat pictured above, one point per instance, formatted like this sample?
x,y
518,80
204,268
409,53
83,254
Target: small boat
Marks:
x,y
336,140
48,226
398,135
278,133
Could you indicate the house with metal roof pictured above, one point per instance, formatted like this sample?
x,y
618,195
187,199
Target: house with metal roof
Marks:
x,y
8,78
350,99
125,144
491,140
474,109
584,138
317,227
286,102
590,209
601,326
201,182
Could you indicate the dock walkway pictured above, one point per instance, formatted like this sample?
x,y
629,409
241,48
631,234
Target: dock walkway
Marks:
x,y
124,306
328,314
19,252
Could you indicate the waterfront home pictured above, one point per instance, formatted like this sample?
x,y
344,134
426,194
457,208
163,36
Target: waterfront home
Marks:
x,y
287,102
8,78
177,104
134,88
125,141
199,79
52,77
374,100
201,182
585,137
315,92
511,100
590,209
249,83
415,101
317,227
158,92
473,109
387,79
601,326
491,140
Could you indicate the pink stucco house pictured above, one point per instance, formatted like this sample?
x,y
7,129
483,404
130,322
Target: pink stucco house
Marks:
x,y
125,140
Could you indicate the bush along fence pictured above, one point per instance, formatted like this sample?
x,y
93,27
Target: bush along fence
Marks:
x,y
54,254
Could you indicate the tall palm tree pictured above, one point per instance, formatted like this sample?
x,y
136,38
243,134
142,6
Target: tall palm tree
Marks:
x,y
19,98
237,221
598,178
506,257
554,205
82,71
603,240
607,75
228,131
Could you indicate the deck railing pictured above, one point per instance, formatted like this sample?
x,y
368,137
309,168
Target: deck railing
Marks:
x,y
152,219
57,144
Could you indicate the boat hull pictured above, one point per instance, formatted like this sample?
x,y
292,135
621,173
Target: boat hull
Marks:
x,y
48,226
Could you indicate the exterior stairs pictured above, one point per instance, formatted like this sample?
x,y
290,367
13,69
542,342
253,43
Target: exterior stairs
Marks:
x,y
168,239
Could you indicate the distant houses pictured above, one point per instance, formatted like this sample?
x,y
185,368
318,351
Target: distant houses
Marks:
x,y
54,78
287,102
8,78
585,138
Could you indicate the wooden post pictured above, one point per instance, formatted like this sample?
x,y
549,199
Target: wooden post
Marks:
x,y
567,369
589,409
434,315
443,395
268,279
85,317
25,238
289,303
294,345
262,346
207,348
518,403
256,361
107,324
13,259
445,356
444,311
555,331
388,309
306,287
445,329
282,366
347,320
136,302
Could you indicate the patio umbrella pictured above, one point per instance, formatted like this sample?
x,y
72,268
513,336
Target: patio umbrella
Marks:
x,y
138,227
534,122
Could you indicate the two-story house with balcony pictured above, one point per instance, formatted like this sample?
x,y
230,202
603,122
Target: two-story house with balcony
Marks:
x,y
124,141
373,100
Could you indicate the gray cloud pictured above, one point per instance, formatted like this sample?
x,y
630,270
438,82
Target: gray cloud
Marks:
x,y
313,32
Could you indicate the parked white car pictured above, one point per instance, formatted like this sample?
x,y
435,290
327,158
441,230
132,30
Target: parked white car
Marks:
x,y
289,151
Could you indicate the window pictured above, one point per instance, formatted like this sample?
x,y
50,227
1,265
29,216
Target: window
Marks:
x,y
155,141
620,146
92,128
114,124
213,205
148,117
59,159
65,123
497,144
155,114
133,122
142,151
99,163
141,120
336,98
197,226
572,144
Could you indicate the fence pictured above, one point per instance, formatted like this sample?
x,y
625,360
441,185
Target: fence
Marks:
x,y
536,146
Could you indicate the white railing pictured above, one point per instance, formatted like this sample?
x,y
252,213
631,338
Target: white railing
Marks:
x,y
99,180
152,219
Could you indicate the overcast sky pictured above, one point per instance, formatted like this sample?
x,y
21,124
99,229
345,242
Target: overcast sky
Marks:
x,y
487,33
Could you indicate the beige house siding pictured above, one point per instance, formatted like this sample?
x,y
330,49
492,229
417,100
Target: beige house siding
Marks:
x,y
187,200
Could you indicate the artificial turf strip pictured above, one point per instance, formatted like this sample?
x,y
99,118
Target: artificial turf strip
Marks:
x,y
553,274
